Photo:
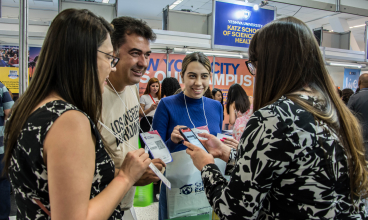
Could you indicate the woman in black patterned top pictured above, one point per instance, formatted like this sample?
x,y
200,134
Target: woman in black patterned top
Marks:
x,y
55,155
301,155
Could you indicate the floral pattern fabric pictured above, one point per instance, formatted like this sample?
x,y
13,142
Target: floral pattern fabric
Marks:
x,y
28,172
288,166
241,122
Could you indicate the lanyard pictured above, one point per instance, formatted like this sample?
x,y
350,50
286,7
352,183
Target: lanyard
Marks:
x,y
137,122
189,114
152,99
126,107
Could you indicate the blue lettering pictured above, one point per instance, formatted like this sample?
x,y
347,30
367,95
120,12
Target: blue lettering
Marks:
x,y
214,68
151,63
235,68
176,65
171,62
227,67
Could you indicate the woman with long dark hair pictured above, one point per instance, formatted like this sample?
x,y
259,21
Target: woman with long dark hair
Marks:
x,y
239,108
55,155
301,155
187,109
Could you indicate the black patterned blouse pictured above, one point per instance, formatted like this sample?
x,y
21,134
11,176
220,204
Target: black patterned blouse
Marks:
x,y
28,172
287,167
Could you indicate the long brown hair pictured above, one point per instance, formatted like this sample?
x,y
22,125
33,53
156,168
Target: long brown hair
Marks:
x,y
148,88
67,65
287,59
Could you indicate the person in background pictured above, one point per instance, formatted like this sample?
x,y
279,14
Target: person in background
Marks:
x,y
169,86
2,62
187,109
6,58
10,93
239,107
131,40
357,90
208,93
8,52
11,52
54,153
149,102
14,60
301,155
6,102
358,103
346,93
218,96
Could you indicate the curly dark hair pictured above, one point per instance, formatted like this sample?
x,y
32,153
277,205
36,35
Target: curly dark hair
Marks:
x,y
126,26
169,86
346,93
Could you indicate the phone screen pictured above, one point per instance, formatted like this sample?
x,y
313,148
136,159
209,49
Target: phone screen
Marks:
x,y
191,137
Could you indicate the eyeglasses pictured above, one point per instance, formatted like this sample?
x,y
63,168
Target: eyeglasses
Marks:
x,y
114,60
251,67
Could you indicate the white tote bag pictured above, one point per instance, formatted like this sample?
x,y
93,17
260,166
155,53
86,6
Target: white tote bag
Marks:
x,y
187,196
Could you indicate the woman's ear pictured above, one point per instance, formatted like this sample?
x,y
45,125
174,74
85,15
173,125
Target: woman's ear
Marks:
x,y
182,76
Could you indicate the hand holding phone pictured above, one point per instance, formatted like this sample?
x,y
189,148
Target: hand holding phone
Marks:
x,y
189,136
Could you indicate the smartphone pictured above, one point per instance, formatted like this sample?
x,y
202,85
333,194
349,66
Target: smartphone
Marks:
x,y
189,136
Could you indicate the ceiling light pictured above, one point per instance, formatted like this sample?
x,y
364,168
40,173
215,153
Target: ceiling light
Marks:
x,y
357,26
256,7
173,5
105,1
346,64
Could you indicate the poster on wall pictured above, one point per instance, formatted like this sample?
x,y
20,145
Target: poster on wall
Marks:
x,y
9,65
236,22
34,52
227,72
351,79
157,68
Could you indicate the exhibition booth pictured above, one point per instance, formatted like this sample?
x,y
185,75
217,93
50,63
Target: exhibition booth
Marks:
x,y
223,35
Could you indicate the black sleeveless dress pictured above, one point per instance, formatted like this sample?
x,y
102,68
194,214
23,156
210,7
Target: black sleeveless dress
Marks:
x,y
28,172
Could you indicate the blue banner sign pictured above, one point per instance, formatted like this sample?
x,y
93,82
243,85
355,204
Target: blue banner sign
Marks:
x,y
236,24
351,79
